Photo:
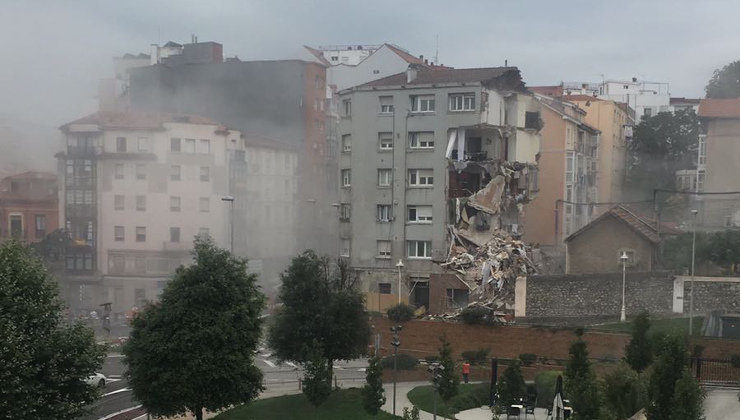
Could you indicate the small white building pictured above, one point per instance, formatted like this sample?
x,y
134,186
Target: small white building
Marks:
x,y
645,97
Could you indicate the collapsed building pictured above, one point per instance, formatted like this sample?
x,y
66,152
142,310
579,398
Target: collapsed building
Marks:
x,y
436,165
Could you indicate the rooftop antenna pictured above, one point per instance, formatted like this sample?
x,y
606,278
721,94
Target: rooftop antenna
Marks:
x,y
506,63
436,52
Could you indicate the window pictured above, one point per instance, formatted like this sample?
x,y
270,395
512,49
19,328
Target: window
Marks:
x,y
345,211
174,203
344,249
384,288
386,104
347,107
143,144
700,181
419,249
647,112
175,172
569,166
140,171
419,214
118,170
421,177
702,158
631,261
174,234
121,144
140,203
532,120
346,177
384,212
119,234
16,226
421,140
140,233
205,204
205,173
346,142
119,202
462,102
457,298
204,146
385,141
384,249
40,226
204,232
385,177
175,145
422,103
189,146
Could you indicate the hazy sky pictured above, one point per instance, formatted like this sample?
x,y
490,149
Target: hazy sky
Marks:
x,y
53,52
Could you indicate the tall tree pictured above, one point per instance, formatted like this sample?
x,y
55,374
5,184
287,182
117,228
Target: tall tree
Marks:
x,y
623,392
447,381
317,379
669,367
43,361
511,387
580,383
321,306
725,82
373,395
688,399
194,349
639,351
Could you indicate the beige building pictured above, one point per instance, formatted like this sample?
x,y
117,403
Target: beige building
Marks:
x,y
136,190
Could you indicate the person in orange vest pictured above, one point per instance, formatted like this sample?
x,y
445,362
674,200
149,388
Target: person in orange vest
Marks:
x,y
466,371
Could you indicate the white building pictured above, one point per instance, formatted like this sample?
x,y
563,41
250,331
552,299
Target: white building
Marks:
x,y
646,98
137,189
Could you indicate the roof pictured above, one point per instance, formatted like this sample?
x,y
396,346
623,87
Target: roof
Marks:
x,y
318,54
682,100
404,54
172,44
138,120
639,223
581,98
430,75
33,175
720,108
547,90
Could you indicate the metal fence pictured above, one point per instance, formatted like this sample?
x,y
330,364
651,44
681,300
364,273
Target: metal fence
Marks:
x,y
715,372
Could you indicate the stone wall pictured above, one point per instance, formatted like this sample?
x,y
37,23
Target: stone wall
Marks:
x,y
711,294
593,295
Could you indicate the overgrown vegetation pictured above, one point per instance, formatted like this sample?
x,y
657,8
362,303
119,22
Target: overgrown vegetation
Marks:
x,y
403,362
400,313
527,359
639,351
477,315
716,252
511,387
580,383
373,395
624,392
469,396
724,82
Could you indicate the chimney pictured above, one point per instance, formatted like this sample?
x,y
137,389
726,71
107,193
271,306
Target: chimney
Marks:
x,y
411,73
634,79
421,57
154,56
426,62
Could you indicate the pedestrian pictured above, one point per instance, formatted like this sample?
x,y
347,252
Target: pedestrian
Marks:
x,y
466,371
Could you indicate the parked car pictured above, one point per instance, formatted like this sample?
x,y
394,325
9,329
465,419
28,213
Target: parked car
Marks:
x,y
97,380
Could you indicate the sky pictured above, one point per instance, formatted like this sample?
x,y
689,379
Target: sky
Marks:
x,y
54,52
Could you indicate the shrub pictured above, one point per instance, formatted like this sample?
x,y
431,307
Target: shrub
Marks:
x,y
477,315
476,357
735,360
545,383
527,358
400,313
404,362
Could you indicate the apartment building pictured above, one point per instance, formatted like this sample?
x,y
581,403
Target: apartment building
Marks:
x,y
28,206
568,167
424,151
137,188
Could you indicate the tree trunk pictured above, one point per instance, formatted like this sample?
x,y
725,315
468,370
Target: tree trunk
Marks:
x,y
198,413
330,368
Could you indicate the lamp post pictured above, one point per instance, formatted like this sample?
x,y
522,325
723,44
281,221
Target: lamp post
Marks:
x,y
230,200
399,266
435,368
623,258
695,212
395,343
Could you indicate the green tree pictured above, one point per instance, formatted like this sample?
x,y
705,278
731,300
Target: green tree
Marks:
x,y
639,351
373,395
580,383
688,398
194,349
624,392
320,304
725,82
43,361
511,388
316,379
668,368
447,381
400,313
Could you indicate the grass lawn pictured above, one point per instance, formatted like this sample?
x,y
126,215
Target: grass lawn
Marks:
x,y
341,405
468,396
672,325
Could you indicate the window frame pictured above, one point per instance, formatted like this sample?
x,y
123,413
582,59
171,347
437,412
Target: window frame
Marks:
x,y
121,145
140,203
383,213
415,177
173,199
416,142
175,145
346,178
119,230
419,218
465,103
346,143
385,177
140,233
383,249
426,247
205,176
419,102
345,212
174,234
207,206
116,202
175,173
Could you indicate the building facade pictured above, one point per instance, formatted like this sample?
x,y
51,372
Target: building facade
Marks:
x,y
421,151
137,189
29,209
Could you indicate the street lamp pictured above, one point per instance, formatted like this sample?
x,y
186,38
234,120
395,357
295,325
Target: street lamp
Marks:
x,y
435,368
624,258
399,266
395,343
230,200
695,212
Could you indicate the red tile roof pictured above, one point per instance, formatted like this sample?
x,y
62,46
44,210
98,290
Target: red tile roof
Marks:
x,y
720,108
641,224
138,120
431,75
403,54
682,100
580,98
547,90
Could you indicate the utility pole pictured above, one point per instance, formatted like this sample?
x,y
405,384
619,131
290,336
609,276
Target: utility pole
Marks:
x,y
624,258
399,266
695,212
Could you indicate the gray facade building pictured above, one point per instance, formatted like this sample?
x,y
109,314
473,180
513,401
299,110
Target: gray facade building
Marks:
x,y
414,147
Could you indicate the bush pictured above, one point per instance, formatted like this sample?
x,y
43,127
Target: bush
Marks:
x,y
735,360
404,362
400,313
477,315
476,357
527,358
545,383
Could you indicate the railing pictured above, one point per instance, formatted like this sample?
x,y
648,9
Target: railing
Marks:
x,y
715,371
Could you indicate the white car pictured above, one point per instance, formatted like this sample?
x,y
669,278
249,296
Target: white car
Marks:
x,y
97,380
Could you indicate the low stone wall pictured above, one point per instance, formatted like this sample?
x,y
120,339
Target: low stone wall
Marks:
x,y
593,295
711,294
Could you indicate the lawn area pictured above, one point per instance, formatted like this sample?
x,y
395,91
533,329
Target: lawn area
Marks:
x,y
341,405
672,325
468,396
